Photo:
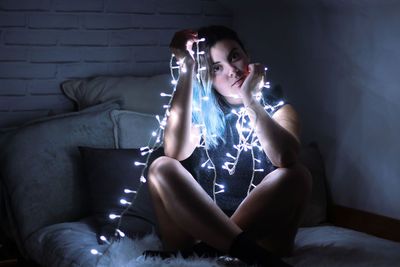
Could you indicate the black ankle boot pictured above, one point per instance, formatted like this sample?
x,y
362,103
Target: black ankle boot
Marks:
x,y
250,252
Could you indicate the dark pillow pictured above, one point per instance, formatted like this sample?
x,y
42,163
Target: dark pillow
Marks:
x,y
108,172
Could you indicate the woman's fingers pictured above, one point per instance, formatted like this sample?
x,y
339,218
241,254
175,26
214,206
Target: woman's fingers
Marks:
x,y
182,42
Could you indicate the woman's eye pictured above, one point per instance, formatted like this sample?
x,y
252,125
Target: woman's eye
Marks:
x,y
216,68
235,56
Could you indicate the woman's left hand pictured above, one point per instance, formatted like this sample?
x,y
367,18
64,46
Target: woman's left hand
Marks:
x,y
254,81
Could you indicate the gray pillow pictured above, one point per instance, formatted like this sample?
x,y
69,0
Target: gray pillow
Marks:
x,y
133,129
316,211
141,94
41,170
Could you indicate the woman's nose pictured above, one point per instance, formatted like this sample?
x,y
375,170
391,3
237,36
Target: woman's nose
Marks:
x,y
233,71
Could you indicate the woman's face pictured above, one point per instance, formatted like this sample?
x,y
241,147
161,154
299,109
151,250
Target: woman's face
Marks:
x,y
229,68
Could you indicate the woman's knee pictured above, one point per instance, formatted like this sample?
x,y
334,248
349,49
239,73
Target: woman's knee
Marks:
x,y
297,177
162,166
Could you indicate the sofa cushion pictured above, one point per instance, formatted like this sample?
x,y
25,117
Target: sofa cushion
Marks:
x,y
140,94
128,124
41,170
108,173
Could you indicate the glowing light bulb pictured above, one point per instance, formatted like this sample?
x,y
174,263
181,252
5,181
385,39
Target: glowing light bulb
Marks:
x,y
104,239
137,163
165,95
121,234
174,82
113,216
128,191
95,252
124,202
143,179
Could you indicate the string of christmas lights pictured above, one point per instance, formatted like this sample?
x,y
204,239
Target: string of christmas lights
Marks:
x,y
247,141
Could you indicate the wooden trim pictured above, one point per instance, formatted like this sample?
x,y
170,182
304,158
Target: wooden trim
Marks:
x,y
366,222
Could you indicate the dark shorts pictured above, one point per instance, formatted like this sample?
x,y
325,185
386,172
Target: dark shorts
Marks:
x,y
229,213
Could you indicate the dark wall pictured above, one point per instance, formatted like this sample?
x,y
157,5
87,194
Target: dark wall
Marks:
x,y
45,42
339,62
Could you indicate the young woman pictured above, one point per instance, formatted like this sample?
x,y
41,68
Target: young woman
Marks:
x,y
252,223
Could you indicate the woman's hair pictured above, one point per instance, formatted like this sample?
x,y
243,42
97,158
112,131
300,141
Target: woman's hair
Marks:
x,y
208,113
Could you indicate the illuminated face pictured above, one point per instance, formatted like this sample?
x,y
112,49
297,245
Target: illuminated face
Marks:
x,y
229,68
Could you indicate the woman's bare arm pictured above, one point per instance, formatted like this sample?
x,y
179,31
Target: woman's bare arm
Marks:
x,y
180,136
279,134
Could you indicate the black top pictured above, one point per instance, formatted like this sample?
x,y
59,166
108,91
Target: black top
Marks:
x,y
236,185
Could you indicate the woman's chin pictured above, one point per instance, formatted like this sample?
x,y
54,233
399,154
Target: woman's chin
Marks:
x,y
234,99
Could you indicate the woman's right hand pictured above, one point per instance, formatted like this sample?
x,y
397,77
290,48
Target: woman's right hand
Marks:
x,y
182,46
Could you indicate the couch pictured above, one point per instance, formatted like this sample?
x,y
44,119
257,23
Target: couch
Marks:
x,y
61,177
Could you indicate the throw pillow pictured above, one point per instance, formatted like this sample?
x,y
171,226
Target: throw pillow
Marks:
x,y
128,124
108,173
41,171
140,94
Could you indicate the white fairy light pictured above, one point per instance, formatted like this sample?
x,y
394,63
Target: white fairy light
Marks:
x,y
113,216
165,95
124,202
120,233
95,252
137,163
129,191
104,239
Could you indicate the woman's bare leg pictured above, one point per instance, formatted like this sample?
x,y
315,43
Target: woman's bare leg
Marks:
x,y
184,208
271,213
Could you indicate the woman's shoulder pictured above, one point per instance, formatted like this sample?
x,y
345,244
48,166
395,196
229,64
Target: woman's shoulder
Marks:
x,y
273,98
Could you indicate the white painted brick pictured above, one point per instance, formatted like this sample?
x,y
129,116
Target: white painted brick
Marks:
x,y
82,38
27,71
55,54
12,19
43,87
79,5
216,9
53,21
214,20
133,37
12,87
30,37
150,68
107,54
165,37
108,21
36,102
82,70
13,54
179,7
151,54
131,6
24,5
168,21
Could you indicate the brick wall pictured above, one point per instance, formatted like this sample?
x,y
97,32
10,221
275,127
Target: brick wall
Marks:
x,y
45,42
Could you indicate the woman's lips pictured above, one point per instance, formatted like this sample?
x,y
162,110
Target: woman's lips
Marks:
x,y
237,81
